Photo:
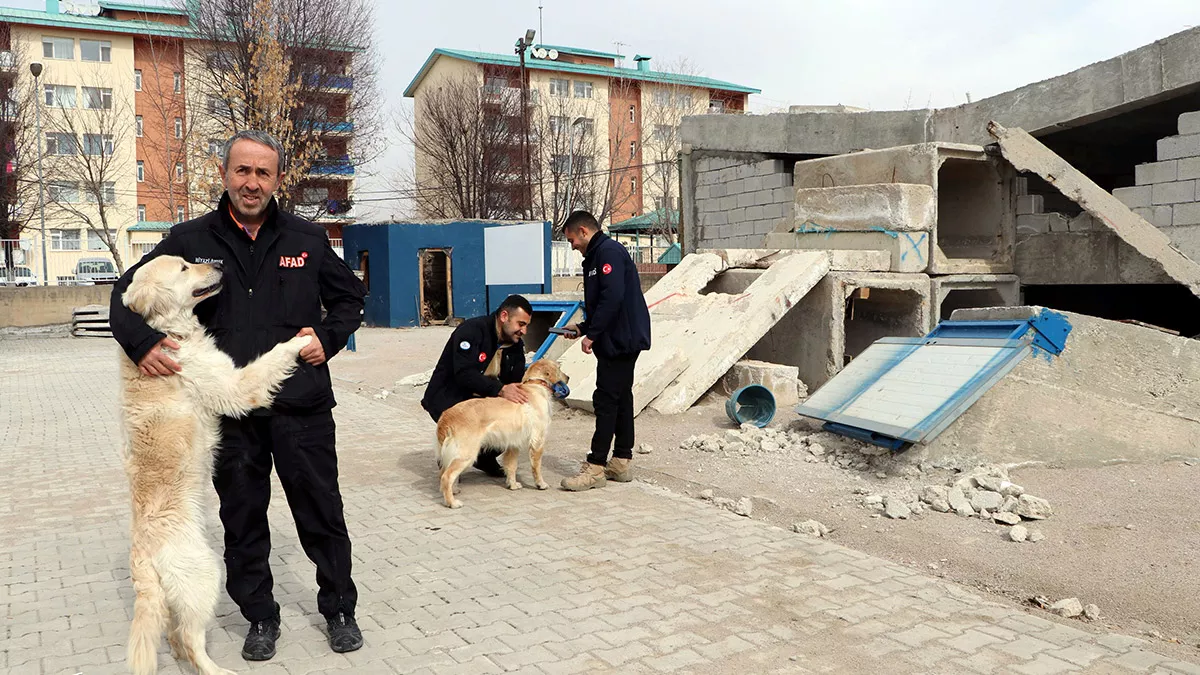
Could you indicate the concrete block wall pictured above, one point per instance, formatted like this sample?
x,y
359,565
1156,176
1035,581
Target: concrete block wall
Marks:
x,y
1167,193
739,201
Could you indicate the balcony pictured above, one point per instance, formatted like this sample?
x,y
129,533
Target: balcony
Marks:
x,y
329,82
327,210
333,167
333,126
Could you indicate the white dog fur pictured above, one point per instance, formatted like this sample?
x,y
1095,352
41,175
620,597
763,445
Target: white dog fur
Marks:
x,y
172,429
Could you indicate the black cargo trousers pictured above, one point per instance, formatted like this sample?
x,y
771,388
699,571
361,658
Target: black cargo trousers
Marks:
x,y
302,447
612,402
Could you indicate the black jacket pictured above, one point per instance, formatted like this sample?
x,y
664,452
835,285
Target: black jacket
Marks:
x,y
459,376
618,321
274,286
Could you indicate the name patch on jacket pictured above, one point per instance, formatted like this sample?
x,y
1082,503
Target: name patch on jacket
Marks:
x,y
208,261
293,260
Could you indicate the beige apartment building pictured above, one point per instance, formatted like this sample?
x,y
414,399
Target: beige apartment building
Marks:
x,y
616,127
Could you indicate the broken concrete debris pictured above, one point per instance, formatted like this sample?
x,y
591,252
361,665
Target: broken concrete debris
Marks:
x,y
744,507
1068,608
1018,533
811,528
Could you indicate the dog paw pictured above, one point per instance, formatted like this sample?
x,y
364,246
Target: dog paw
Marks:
x,y
300,342
455,504
543,485
515,486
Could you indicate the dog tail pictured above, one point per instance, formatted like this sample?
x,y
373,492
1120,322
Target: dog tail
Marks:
x,y
149,614
446,451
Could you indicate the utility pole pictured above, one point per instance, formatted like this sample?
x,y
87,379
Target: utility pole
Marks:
x,y
523,44
35,68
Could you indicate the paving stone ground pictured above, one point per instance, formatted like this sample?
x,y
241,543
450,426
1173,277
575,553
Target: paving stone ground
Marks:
x,y
627,579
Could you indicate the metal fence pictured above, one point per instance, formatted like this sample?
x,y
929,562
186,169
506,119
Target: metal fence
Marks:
x,y
565,261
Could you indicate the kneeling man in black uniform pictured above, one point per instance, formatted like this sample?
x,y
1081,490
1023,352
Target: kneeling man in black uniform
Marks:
x,y
484,357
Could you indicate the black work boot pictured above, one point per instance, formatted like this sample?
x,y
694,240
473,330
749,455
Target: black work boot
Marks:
x,y
488,463
260,640
344,635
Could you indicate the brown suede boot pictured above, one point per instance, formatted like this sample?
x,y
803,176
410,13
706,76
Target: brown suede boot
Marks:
x,y
619,470
590,476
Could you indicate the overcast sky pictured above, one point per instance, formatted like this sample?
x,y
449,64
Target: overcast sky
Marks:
x,y
878,54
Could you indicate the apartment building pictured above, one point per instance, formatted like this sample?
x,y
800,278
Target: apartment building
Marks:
x,y
120,128
616,127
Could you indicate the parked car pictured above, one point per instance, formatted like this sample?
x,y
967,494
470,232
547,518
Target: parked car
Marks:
x,y
21,276
93,271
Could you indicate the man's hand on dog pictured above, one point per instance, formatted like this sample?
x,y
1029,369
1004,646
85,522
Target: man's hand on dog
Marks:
x,y
156,362
513,392
313,354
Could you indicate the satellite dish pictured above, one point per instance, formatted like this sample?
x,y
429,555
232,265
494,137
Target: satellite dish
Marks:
x,y
540,52
553,54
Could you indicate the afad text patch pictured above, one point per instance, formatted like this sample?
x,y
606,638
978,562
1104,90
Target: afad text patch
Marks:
x,y
293,260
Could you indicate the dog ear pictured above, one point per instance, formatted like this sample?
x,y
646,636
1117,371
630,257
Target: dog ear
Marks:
x,y
143,297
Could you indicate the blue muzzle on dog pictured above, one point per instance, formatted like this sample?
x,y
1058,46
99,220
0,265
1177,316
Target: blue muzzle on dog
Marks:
x,y
560,390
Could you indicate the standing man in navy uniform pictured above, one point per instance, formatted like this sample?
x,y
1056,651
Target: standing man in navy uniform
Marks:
x,y
280,271
484,357
616,329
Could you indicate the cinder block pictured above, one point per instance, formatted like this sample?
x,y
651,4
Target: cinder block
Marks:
x,y
1174,147
702,192
1021,185
746,199
719,218
751,184
1156,172
773,211
1033,223
1158,216
1135,196
768,167
737,216
1185,214
729,202
775,180
1084,222
1031,204
1174,193
1189,123
754,213
717,190
746,170
785,195
1189,168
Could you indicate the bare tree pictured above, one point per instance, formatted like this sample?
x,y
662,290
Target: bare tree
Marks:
x,y
287,66
467,139
663,110
165,122
88,146
18,152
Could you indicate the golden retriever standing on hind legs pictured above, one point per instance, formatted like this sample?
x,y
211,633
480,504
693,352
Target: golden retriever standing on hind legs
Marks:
x,y
499,423
172,431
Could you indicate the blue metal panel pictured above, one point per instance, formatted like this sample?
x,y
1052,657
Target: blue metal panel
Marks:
x,y
568,310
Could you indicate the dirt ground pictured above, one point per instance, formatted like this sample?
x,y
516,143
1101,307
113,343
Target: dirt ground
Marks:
x,y
1124,537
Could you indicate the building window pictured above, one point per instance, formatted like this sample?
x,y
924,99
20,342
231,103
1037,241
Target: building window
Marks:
x,y
60,96
214,105
683,101
178,127
663,133
96,98
97,145
632,149
215,147
583,89
558,124
633,185
58,143
178,83
141,210
64,240
178,170
58,48
632,114
662,97
141,171
137,80
587,126
97,243
180,214
62,191
108,193
95,50
716,107
139,126
560,87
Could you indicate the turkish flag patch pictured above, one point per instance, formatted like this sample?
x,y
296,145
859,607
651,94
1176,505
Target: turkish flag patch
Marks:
x,y
482,357
607,269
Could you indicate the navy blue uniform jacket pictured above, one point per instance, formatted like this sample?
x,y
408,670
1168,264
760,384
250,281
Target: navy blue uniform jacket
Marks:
x,y
273,287
459,376
618,321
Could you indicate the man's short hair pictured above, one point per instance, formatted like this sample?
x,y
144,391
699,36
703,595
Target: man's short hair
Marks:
x,y
514,302
260,137
581,219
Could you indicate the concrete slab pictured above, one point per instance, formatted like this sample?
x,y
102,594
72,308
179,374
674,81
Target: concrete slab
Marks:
x,y
906,251
896,207
1117,392
959,291
731,326
783,381
1083,258
1027,154
762,258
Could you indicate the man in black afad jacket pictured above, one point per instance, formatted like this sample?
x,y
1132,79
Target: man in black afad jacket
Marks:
x,y
279,271
616,329
484,357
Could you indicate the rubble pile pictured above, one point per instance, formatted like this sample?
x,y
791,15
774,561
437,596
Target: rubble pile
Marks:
x,y
832,449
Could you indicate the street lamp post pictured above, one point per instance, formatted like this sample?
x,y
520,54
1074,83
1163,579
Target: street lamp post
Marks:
x,y
523,43
35,69
570,163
